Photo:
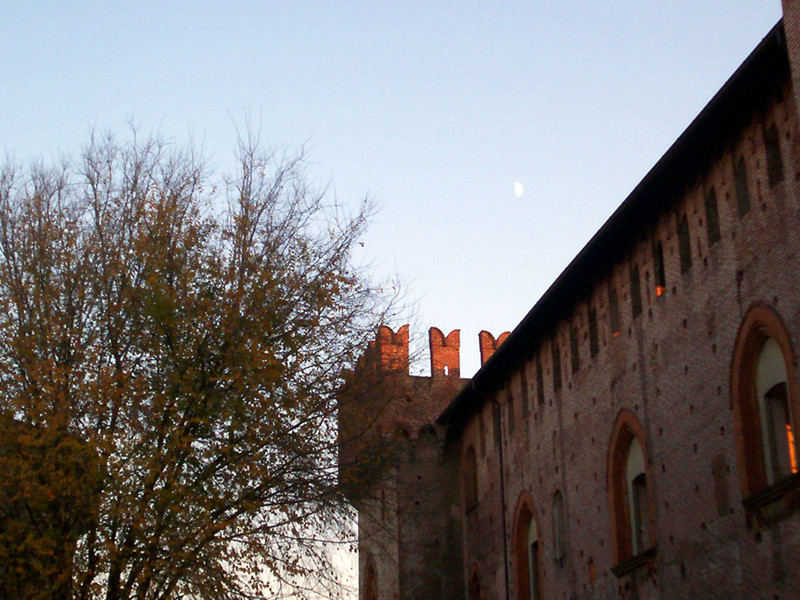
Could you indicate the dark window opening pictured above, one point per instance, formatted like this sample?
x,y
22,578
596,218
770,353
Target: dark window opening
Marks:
x,y
636,291
524,391
533,569
510,412
496,423
482,434
684,245
629,492
740,183
474,587
712,216
574,350
470,480
540,383
526,553
371,583
780,443
764,411
773,150
640,511
658,269
556,368
594,342
613,310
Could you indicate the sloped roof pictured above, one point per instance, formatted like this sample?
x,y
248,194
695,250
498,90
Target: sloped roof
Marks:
x,y
755,81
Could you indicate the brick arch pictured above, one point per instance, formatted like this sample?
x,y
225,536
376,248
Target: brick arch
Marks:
x,y
474,590
760,323
626,428
370,581
524,517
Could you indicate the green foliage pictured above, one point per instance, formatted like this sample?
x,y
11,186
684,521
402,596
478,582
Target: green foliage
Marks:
x,y
171,348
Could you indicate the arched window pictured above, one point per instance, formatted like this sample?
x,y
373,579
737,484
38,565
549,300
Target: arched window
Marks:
x,y
474,590
636,495
370,582
526,550
559,528
780,454
629,490
764,398
470,480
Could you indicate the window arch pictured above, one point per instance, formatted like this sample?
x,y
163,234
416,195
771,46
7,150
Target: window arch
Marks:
x,y
629,489
527,550
637,498
470,480
764,399
474,590
780,455
370,582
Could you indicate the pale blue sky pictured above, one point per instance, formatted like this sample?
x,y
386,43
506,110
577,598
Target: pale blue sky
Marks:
x,y
432,108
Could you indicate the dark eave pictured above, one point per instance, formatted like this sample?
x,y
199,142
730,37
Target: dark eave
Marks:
x,y
748,90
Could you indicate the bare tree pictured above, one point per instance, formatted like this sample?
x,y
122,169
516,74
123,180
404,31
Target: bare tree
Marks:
x,y
187,340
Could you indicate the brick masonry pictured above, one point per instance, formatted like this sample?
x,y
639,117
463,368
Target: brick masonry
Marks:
x,y
547,426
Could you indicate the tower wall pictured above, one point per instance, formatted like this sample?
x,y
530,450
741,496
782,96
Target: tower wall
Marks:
x,y
409,520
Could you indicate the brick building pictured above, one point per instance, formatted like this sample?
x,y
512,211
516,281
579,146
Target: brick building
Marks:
x,y
634,435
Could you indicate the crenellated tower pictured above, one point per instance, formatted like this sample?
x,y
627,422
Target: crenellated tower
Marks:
x,y
396,469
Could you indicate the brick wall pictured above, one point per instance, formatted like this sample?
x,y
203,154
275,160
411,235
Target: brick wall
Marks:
x,y
669,365
636,346
402,477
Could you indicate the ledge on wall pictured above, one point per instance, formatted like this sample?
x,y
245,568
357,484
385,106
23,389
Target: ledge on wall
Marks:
x,y
774,503
634,563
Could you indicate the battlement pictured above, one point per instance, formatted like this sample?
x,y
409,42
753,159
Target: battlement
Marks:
x,y
445,352
392,348
383,401
488,344
389,352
